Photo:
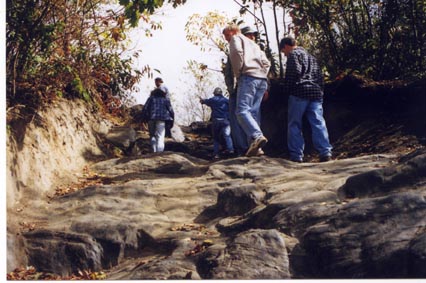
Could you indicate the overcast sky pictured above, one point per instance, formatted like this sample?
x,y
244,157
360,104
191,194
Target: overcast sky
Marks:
x,y
168,50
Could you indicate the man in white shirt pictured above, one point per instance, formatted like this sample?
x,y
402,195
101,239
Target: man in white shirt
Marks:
x,y
250,67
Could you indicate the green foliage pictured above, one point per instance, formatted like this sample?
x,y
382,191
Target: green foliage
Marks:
x,y
78,88
68,49
135,8
380,39
206,31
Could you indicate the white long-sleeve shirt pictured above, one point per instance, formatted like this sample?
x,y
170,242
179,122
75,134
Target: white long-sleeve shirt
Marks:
x,y
247,58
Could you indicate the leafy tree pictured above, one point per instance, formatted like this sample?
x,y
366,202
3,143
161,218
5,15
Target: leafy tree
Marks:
x,y
73,49
135,9
264,41
206,31
381,39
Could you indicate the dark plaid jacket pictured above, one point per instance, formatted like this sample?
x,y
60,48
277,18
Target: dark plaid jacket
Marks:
x,y
303,76
158,107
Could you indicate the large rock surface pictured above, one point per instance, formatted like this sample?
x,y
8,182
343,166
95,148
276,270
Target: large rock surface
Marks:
x,y
172,216
177,215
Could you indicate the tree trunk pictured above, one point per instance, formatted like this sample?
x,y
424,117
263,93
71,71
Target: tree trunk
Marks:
x,y
274,7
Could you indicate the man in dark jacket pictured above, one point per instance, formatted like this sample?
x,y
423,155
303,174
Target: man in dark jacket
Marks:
x,y
304,83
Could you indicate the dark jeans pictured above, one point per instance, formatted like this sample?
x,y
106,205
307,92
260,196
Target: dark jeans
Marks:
x,y
221,129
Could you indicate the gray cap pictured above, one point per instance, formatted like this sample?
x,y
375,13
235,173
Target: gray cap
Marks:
x,y
248,29
217,91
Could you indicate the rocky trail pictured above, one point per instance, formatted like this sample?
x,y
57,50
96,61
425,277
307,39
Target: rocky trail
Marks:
x,y
180,215
175,216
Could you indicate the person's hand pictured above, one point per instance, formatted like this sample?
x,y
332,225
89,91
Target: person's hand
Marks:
x,y
144,126
201,101
265,96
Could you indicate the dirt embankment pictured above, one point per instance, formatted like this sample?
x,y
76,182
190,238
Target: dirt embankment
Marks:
x,y
363,117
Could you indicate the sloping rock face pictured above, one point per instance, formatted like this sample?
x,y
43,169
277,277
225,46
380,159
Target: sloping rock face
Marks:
x,y
173,216
177,215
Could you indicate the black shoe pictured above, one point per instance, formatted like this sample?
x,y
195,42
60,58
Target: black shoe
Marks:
x,y
325,158
296,160
227,154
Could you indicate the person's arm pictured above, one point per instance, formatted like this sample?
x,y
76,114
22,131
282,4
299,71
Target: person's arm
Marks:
x,y
229,77
319,75
145,115
170,108
266,94
266,64
236,54
209,102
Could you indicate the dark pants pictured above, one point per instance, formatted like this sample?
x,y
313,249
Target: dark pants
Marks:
x,y
221,129
169,126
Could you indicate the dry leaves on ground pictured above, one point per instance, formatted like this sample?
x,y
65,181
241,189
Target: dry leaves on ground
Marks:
x,y
199,247
30,273
201,229
89,178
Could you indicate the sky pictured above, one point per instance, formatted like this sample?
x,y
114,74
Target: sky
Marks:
x,y
168,50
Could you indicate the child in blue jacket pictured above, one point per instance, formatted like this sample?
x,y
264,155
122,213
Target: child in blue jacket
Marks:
x,y
220,121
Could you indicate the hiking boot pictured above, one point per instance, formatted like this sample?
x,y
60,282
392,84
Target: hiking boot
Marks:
x,y
216,157
228,152
325,158
255,145
296,160
260,152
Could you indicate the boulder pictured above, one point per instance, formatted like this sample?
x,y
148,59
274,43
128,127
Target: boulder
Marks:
x,y
122,137
368,238
253,254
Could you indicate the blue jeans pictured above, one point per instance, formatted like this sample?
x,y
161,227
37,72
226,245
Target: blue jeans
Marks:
x,y
221,129
297,107
157,131
249,97
238,135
